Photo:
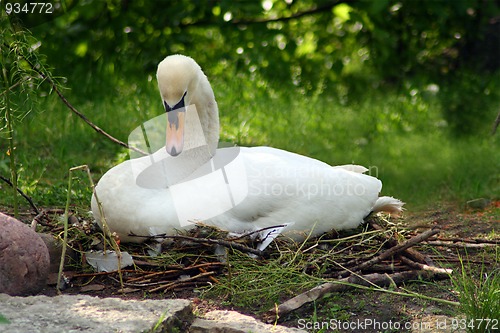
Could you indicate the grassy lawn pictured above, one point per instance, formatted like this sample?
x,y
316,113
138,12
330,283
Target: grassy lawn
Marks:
x,y
399,134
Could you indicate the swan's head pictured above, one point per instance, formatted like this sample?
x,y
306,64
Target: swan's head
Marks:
x,y
181,83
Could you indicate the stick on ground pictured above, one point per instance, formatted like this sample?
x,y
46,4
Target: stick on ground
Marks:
x,y
390,252
410,253
349,283
425,267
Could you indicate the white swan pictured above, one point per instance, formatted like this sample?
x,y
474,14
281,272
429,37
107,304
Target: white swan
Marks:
x,y
235,189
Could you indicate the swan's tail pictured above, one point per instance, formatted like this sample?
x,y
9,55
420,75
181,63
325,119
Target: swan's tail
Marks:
x,y
389,205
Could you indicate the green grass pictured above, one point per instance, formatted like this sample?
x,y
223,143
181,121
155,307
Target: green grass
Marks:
x,y
478,291
399,134
256,287
292,268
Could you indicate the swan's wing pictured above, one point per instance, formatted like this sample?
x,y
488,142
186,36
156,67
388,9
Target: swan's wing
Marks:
x,y
285,187
352,167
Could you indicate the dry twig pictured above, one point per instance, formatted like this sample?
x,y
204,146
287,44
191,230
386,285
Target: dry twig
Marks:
x,y
424,267
24,195
410,253
462,244
465,240
390,252
349,283
233,245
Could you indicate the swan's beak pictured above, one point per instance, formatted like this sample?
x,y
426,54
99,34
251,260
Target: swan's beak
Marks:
x,y
175,130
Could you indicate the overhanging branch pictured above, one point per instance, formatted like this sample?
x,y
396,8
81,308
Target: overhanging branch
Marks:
x,y
72,108
243,21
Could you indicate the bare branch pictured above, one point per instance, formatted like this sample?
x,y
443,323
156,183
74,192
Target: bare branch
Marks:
x,y
390,252
495,124
310,11
85,119
25,196
74,110
349,283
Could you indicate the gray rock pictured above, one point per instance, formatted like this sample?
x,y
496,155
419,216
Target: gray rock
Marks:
x,y
81,313
220,321
24,258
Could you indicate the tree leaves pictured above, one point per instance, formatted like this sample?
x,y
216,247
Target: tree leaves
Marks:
x,y
401,37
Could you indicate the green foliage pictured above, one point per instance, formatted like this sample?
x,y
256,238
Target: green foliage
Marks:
x,y
22,70
466,100
283,33
436,36
479,296
293,44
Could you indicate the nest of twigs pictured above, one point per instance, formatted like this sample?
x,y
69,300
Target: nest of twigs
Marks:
x,y
206,260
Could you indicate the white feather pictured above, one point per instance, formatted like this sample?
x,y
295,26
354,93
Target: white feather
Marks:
x,y
389,205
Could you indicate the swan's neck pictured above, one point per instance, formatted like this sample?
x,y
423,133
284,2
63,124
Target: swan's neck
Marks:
x,y
160,170
207,115
181,167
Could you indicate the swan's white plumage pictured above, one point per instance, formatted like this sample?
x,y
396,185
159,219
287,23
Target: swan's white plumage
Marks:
x,y
283,188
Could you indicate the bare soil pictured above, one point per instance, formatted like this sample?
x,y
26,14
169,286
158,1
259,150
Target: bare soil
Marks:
x,y
422,315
